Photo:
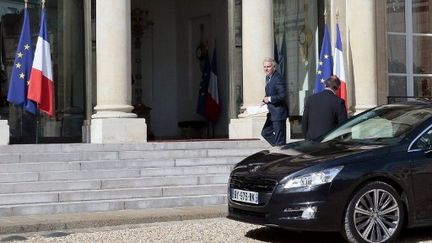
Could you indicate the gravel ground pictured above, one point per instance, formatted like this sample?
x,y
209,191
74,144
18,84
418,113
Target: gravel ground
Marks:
x,y
205,230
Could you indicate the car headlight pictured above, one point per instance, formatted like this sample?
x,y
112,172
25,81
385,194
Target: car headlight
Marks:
x,y
313,179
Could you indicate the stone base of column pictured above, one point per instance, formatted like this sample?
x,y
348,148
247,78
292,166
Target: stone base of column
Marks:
x,y
4,132
119,130
250,127
86,131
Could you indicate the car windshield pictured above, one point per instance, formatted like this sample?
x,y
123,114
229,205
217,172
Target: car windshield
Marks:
x,y
384,124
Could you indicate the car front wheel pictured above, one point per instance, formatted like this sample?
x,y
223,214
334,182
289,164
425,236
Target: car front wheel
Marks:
x,y
374,214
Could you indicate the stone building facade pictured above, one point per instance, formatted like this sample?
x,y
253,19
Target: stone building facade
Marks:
x,y
128,71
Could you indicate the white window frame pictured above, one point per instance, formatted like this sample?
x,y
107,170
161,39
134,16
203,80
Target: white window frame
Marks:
x,y
409,50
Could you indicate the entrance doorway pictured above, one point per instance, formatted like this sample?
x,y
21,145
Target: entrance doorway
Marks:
x,y
167,72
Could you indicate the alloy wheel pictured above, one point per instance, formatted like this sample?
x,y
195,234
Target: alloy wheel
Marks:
x,y
376,215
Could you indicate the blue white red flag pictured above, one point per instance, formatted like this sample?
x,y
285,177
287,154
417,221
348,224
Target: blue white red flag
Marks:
x,y
338,68
212,107
17,93
41,86
325,63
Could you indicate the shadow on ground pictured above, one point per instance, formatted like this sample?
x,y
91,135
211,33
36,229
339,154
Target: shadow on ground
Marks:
x,y
267,234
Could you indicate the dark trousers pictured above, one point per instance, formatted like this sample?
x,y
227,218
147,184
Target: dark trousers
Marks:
x,y
274,132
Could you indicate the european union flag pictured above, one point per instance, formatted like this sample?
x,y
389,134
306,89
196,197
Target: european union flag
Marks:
x,y
17,93
325,64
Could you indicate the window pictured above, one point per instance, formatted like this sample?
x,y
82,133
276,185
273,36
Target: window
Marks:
x,y
424,141
409,36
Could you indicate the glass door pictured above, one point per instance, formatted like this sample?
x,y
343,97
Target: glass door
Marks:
x,y
65,21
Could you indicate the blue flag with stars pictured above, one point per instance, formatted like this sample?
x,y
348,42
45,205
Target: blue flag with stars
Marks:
x,y
325,64
17,93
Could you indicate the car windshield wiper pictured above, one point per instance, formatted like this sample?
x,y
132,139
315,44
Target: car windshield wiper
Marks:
x,y
361,141
381,140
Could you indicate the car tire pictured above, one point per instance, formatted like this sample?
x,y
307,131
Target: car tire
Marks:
x,y
374,214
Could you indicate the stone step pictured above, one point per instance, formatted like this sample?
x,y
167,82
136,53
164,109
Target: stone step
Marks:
x,y
112,174
6,159
133,173
148,192
166,181
9,158
128,163
110,194
47,186
184,201
50,186
144,163
39,167
151,146
19,177
68,175
187,170
88,174
111,164
70,178
227,144
197,153
110,205
209,161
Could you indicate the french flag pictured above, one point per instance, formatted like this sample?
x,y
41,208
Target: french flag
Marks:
x,y
212,106
338,67
41,85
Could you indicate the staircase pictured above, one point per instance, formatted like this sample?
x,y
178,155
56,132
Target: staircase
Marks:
x,y
71,178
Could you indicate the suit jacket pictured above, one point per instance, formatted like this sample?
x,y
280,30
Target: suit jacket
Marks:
x,y
323,112
276,89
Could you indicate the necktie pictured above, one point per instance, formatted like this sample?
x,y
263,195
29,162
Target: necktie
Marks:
x,y
267,79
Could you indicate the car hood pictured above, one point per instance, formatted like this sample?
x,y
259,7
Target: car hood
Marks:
x,y
293,157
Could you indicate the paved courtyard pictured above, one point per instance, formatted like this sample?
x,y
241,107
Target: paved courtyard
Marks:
x,y
202,230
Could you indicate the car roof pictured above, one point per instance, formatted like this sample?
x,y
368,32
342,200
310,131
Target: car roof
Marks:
x,y
413,103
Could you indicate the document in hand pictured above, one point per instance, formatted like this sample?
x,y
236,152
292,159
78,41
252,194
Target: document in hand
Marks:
x,y
258,109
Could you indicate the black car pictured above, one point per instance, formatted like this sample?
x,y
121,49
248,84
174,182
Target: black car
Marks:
x,y
368,178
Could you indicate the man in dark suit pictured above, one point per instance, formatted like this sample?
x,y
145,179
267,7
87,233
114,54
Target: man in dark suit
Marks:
x,y
323,111
274,130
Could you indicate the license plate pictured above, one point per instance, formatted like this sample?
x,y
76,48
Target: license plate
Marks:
x,y
244,196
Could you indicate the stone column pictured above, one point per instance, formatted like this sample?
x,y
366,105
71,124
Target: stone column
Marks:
x,y
362,45
257,36
257,44
113,121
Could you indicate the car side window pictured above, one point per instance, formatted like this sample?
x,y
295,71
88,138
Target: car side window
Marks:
x,y
424,141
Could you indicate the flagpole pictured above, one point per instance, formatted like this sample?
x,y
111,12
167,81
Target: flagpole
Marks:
x,y
325,15
37,125
21,122
22,113
337,16
37,110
